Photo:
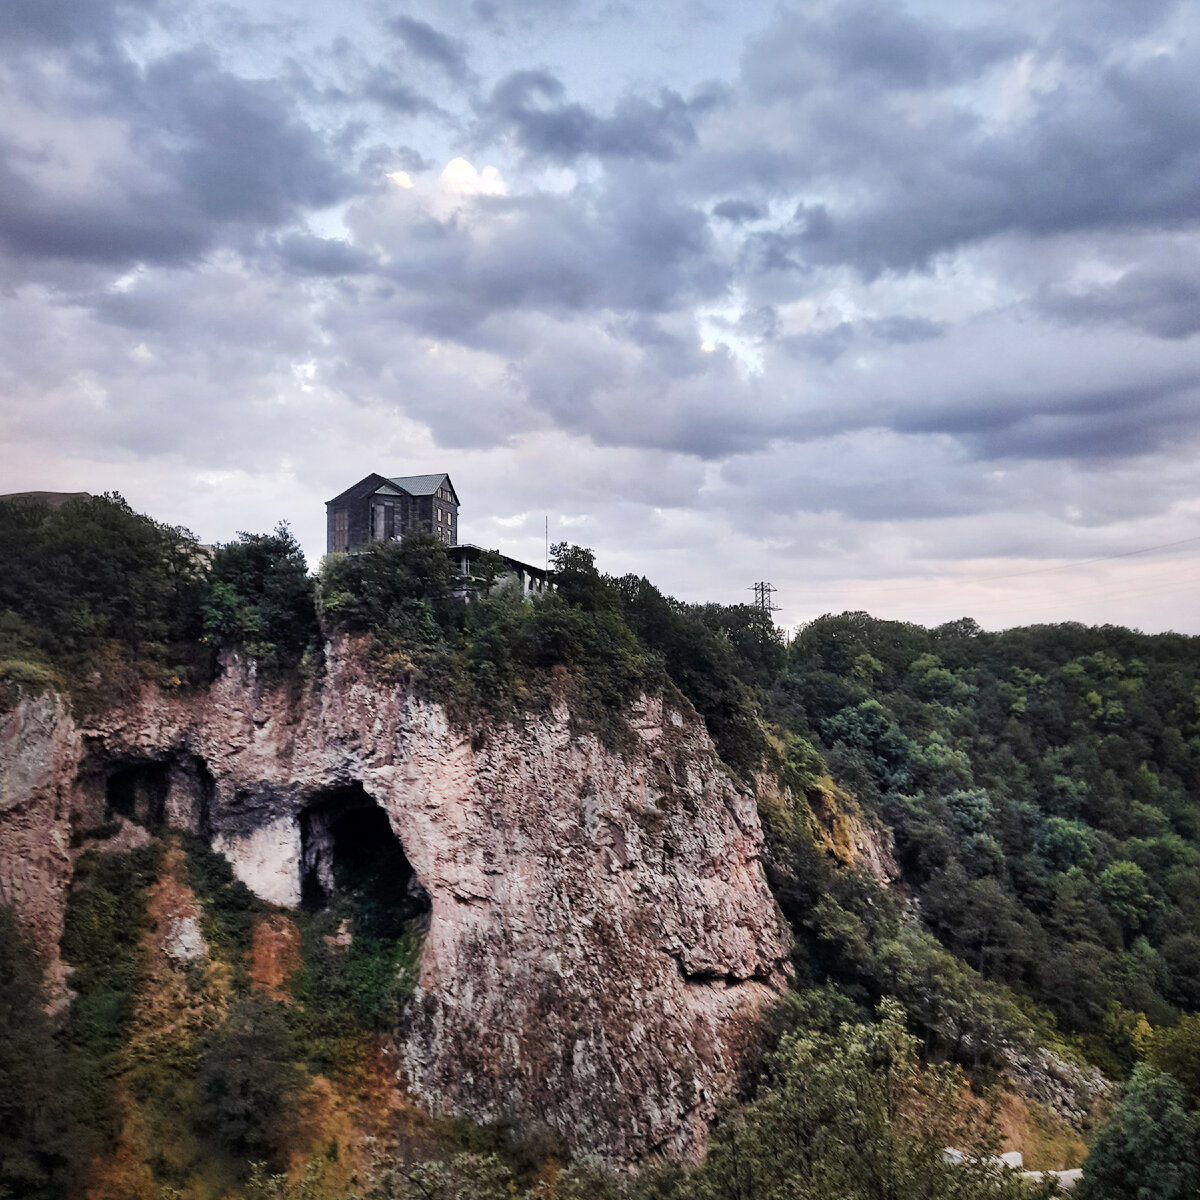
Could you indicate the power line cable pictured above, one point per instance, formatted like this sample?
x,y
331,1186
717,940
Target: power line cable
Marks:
x,y
968,580
1087,562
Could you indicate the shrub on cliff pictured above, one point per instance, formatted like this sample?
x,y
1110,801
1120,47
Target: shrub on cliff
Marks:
x,y
39,1139
395,591
104,594
702,660
499,651
258,595
1149,1148
247,1078
855,1116
102,932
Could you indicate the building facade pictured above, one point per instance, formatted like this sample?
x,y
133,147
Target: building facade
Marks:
x,y
382,509
533,581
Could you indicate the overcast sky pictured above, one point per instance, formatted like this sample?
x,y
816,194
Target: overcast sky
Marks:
x,y
894,306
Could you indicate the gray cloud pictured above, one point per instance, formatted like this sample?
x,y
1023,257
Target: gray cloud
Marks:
x,y
1079,422
67,22
530,103
385,87
430,44
738,212
244,155
828,345
904,329
1116,148
308,255
874,43
1160,300
109,226
633,251
202,153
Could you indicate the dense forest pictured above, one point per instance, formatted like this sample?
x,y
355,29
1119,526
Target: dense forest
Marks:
x,y
1041,785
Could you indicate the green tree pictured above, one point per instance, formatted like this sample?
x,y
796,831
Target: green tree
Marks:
x,y
247,1078
259,596
855,1117
1177,1051
462,1177
577,580
39,1135
99,590
1148,1150
1126,891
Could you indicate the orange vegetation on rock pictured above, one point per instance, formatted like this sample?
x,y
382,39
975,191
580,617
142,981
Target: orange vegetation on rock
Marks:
x,y
274,954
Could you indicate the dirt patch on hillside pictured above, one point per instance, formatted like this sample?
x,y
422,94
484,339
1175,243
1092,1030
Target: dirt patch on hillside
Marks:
x,y
1046,1142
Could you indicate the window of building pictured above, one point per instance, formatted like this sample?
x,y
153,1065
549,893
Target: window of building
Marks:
x,y
340,529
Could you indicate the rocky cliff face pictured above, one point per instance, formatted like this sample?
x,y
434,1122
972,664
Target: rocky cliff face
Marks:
x,y
601,936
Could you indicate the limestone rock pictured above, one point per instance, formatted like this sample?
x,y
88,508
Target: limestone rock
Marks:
x,y
184,942
1070,1091
601,937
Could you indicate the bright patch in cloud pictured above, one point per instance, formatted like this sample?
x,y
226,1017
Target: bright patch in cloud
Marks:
x,y
465,179
401,179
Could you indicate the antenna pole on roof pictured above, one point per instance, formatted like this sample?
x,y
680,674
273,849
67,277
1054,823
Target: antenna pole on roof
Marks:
x,y
547,541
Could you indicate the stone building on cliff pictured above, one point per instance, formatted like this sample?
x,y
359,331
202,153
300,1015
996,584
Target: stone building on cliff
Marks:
x,y
379,509
383,509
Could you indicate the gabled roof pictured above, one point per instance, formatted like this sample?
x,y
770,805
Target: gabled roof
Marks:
x,y
364,487
424,485
413,485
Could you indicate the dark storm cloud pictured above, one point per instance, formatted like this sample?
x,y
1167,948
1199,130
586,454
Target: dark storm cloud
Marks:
x,y
1111,148
1161,301
874,43
425,42
308,255
205,153
108,226
244,156
738,212
530,104
1084,423
66,22
629,250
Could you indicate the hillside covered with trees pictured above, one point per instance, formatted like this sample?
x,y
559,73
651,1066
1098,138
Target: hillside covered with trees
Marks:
x,y
1041,787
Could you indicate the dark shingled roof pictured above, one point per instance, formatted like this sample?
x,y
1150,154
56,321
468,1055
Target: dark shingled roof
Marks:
x,y
422,485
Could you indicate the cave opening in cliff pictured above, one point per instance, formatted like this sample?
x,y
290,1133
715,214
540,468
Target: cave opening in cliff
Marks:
x,y
138,792
349,852
176,790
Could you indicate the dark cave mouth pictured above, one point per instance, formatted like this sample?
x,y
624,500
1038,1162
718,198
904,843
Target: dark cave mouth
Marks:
x,y
351,857
138,792
175,790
